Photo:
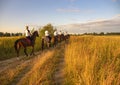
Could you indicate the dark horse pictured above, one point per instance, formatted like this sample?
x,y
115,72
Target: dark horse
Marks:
x,y
61,37
67,37
25,42
54,40
46,41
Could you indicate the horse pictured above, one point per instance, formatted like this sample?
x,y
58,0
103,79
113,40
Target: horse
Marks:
x,y
25,42
61,37
46,41
66,37
54,40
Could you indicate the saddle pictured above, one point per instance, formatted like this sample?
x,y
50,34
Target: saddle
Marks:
x,y
28,40
48,38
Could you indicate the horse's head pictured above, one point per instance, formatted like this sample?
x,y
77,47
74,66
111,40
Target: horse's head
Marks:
x,y
36,33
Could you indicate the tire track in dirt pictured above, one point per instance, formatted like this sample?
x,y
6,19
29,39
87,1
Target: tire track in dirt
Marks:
x,y
27,64
59,73
10,63
19,66
27,67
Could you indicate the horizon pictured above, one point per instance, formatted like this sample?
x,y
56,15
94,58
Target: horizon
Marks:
x,y
70,15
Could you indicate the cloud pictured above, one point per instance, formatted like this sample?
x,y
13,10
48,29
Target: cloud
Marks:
x,y
74,10
68,10
102,25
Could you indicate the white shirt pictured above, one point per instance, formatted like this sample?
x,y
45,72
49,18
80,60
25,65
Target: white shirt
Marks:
x,y
55,33
46,33
59,33
27,33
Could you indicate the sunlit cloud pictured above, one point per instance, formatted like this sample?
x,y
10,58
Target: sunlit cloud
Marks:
x,y
99,25
74,10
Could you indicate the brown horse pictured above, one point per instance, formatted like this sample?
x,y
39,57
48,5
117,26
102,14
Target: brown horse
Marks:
x,y
25,42
61,37
54,40
46,42
66,37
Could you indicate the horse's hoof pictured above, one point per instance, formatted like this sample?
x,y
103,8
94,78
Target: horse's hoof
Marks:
x,y
18,58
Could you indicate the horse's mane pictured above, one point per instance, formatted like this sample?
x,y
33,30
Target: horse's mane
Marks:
x,y
34,32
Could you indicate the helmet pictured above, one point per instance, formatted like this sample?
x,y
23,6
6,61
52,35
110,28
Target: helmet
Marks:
x,y
26,27
46,32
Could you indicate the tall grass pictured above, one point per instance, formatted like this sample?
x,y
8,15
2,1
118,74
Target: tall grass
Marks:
x,y
7,47
39,70
93,60
38,73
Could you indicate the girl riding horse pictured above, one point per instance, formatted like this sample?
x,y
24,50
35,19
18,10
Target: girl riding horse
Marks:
x,y
25,42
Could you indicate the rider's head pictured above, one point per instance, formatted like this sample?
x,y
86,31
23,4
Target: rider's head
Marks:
x,y
46,31
27,27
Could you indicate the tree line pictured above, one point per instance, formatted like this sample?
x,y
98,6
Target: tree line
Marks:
x,y
102,33
7,34
48,27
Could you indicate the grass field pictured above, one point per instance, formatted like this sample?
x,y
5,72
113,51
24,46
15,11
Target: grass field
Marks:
x,y
84,60
7,47
93,60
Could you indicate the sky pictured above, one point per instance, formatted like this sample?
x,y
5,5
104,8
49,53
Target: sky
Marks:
x,y
68,15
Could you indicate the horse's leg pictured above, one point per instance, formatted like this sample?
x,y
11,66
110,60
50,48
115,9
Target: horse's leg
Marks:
x,y
17,49
42,44
49,44
32,52
25,51
17,52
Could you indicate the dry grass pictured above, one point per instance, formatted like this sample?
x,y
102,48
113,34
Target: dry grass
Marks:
x,y
89,60
8,75
33,71
37,72
7,47
93,60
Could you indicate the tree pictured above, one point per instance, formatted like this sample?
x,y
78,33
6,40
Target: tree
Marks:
x,y
7,34
102,33
48,27
1,34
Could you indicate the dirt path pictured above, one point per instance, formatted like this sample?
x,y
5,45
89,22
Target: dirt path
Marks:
x,y
59,73
22,66
9,63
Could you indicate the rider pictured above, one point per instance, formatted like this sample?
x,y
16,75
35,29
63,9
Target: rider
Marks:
x,y
47,34
65,34
55,33
60,32
27,33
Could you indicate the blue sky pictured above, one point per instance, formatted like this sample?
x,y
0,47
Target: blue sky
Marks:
x,y
15,14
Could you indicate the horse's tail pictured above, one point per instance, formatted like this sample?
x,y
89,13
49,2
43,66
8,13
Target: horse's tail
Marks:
x,y
42,43
16,46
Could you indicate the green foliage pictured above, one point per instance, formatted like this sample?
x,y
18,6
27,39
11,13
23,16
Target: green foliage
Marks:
x,y
7,43
48,27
